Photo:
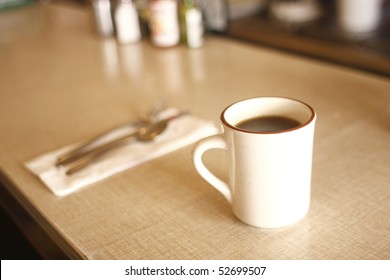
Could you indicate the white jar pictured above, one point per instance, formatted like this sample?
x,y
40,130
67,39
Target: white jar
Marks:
x,y
359,15
127,22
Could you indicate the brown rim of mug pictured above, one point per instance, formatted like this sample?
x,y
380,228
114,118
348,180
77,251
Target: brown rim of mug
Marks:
x,y
312,117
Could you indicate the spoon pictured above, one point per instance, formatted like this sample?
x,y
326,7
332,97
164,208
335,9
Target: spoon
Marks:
x,y
78,152
145,133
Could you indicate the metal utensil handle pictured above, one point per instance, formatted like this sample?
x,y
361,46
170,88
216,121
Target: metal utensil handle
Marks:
x,y
78,152
92,155
86,158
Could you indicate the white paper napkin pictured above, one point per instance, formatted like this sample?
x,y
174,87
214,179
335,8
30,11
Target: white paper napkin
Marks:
x,y
180,132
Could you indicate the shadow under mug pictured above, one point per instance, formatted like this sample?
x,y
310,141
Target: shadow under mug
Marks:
x,y
269,173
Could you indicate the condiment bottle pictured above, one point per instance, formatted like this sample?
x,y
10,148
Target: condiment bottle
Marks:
x,y
216,15
163,23
127,22
103,17
191,21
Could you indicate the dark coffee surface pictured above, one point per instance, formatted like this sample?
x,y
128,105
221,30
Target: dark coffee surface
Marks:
x,y
268,124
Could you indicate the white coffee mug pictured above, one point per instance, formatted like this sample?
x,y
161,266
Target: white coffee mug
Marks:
x,y
269,172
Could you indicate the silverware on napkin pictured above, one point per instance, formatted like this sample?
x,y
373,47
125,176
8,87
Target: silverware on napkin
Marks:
x,y
78,152
144,133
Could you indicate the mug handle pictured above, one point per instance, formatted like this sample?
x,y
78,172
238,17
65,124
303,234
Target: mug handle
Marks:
x,y
211,142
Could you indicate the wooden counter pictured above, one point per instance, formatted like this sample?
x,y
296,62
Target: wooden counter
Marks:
x,y
60,83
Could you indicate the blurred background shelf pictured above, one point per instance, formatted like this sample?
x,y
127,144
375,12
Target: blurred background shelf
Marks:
x,y
321,39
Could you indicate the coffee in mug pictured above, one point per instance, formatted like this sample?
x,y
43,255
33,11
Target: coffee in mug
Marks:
x,y
269,144
268,124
